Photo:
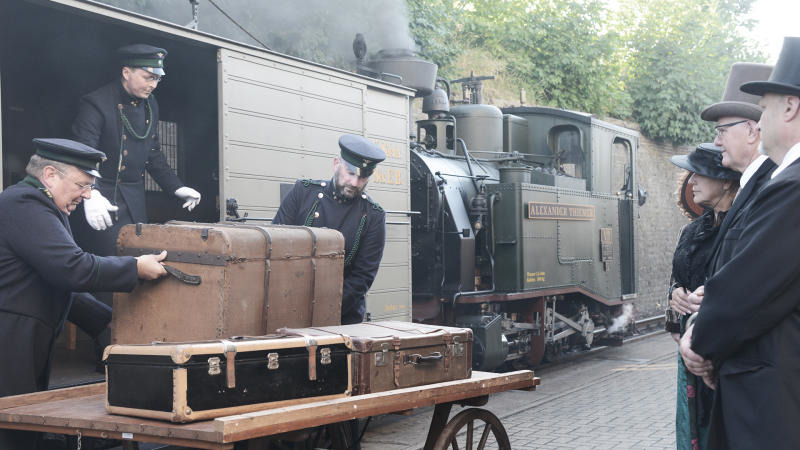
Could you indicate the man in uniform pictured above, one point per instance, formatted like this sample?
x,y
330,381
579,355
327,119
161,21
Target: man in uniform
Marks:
x,y
748,325
42,270
121,119
341,204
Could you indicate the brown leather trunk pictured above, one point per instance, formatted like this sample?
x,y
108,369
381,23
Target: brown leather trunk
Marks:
x,y
390,355
252,281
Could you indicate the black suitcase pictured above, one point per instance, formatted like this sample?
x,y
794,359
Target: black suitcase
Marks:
x,y
184,382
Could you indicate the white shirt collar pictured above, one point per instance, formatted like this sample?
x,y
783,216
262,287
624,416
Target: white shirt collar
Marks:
x,y
751,169
791,156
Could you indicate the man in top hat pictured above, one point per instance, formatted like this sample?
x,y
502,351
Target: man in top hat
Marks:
x,y
738,135
121,119
42,270
341,204
749,321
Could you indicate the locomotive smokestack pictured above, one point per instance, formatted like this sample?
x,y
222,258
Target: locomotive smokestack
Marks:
x,y
360,48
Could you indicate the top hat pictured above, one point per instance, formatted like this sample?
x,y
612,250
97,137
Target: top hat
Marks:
x,y
143,56
736,103
705,160
785,79
70,152
360,154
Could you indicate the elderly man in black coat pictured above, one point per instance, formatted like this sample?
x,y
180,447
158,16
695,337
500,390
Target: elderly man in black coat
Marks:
x,y
42,270
748,325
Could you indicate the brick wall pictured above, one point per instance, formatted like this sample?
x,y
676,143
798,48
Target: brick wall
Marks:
x,y
658,223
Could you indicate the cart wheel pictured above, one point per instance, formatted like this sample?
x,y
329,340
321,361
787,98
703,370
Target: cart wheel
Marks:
x,y
471,419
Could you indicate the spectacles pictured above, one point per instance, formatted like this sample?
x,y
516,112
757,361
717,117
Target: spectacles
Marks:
x,y
721,129
83,187
150,77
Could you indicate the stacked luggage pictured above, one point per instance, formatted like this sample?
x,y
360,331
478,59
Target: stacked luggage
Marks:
x,y
196,345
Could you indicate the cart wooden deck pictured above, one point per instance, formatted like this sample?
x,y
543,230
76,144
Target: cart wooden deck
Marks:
x,y
81,411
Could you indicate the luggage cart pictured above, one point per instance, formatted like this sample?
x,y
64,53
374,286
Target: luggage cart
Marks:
x,y
81,411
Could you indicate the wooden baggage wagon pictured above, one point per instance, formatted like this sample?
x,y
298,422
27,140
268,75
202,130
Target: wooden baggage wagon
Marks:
x,y
81,411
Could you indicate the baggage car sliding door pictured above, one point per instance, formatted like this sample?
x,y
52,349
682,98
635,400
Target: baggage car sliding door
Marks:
x,y
280,119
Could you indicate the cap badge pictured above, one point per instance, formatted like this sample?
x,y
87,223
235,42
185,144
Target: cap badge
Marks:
x,y
160,55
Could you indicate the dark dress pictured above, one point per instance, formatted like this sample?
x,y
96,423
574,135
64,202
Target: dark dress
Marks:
x,y
689,262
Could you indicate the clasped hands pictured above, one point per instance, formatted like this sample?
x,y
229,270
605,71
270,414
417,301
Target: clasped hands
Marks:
x,y
688,303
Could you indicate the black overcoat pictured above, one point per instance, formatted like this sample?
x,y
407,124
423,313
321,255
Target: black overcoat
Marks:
x,y
345,216
41,270
99,125
749,323
723,248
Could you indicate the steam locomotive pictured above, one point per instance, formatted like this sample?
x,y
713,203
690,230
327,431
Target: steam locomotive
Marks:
x,y
525,227
517,222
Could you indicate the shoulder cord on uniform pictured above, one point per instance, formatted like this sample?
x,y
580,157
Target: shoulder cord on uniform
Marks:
x,y
354,249
349,259
126,124
310,216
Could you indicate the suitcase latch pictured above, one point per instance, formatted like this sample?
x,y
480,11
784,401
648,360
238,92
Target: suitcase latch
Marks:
x,y
325,356
213,366
381,357
458,347
272,361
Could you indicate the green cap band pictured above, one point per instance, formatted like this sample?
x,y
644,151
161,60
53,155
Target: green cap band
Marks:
x,y
143,62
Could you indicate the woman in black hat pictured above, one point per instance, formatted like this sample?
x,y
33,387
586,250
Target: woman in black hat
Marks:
x,y
712,187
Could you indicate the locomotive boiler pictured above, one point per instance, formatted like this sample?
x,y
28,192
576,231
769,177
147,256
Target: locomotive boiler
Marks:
x,y
525,231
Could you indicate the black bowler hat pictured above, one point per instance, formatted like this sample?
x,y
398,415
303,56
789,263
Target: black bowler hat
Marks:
x,y
785,78
143,56
360,154
66,151
705,160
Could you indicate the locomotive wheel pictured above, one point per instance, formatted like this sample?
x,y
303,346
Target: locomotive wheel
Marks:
x,y
488,425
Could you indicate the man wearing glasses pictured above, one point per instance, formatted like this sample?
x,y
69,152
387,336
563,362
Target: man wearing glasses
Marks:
x,y
121,119
42,270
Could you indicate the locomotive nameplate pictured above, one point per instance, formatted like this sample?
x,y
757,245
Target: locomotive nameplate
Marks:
x,y
560,211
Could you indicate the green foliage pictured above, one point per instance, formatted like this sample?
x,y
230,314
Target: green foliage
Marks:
x,y
434,25
559,49
679,54
656,62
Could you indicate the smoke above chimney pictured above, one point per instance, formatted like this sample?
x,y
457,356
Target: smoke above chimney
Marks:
x,y
318,30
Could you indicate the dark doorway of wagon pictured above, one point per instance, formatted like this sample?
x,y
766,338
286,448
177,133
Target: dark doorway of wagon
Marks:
x,y
52,54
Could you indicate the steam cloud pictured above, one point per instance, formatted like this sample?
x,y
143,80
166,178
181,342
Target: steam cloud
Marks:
x,y
319,30
622,320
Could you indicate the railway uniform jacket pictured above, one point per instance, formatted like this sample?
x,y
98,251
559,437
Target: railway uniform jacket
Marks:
x,y
317,201
99,125
41,268
723,247
749,323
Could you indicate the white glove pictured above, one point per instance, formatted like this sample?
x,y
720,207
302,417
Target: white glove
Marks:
x,y
191,196
97,210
